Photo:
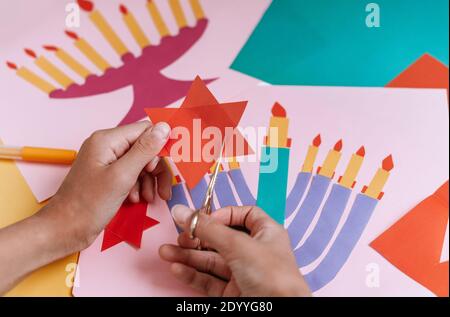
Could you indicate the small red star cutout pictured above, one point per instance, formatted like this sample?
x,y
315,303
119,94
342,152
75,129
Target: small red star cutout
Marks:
x,y
128,226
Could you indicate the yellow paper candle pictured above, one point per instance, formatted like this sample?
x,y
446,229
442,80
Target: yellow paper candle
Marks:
x,y
49,68
278,128
134,27
331,161
348,179
89,51
310,159
197,9
233,164
178,13
67,59
157,19
104,27
32,78
375,188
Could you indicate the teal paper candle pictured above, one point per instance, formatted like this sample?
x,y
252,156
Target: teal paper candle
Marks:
x,y
273,178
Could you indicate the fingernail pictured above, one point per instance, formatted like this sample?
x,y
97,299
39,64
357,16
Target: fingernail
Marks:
x,y
161,129
181,214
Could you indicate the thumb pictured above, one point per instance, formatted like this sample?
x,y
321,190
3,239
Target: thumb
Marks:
x,y
212,233
145,149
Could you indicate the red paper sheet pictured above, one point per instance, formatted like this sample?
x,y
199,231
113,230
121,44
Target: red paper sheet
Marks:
x,y
414,243
426,72
202,105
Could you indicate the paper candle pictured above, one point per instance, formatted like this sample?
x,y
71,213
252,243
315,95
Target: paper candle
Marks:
x,y
233,164
311,155
178,13
48,67
375,188
89,51
32,78
278,128
67,59
274,165
134,27
157,19
348,179
104,27
197,9
331,161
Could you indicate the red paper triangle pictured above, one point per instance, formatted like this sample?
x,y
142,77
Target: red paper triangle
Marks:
x,y
414,243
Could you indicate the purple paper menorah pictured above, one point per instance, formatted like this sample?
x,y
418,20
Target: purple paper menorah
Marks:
x,y
311,196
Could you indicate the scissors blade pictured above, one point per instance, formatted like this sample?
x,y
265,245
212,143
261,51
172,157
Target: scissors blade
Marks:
x,y
212,182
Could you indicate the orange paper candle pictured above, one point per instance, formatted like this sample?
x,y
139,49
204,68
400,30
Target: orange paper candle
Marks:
x,y
104,27
134,27
178,13
32,78
67,59
278,128
157,19
375,188
233,164
353,167
49,68
89,51
310,159
197,9
331,161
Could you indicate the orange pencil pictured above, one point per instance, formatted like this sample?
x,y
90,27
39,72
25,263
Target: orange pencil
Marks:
x,y
38,155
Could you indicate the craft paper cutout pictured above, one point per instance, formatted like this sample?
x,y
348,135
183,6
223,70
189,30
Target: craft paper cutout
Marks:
x,y
308,209
414,243
86,56
338,265
195,118
331,213
344,244
334,37
223,186
128,225
242,189
426,72
274,165
296,194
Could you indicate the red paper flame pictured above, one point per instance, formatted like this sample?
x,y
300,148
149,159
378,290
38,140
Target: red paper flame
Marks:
x,y
317,141
361,152
11,65
86,5
123,9
278,110
50,48
30,53
338,146
388,163
72,35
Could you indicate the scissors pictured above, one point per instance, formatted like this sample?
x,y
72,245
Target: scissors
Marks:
x,y
206,206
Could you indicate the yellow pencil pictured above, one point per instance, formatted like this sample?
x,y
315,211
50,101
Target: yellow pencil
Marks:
x,y
38,155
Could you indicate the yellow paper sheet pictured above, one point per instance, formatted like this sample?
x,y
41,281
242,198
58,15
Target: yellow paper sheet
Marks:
x,y
16,203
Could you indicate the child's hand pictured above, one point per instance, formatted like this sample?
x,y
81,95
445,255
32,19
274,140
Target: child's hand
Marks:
x,y
111,166
257,263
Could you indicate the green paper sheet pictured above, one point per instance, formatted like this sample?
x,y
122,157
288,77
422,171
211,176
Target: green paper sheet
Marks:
x,y
327,42
272,186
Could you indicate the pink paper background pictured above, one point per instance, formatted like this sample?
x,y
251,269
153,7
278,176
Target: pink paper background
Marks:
x,y
410,124
29,117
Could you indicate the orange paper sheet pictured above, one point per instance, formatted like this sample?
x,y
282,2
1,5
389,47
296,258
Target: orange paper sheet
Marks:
x,y
414,243
426,72
16,203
